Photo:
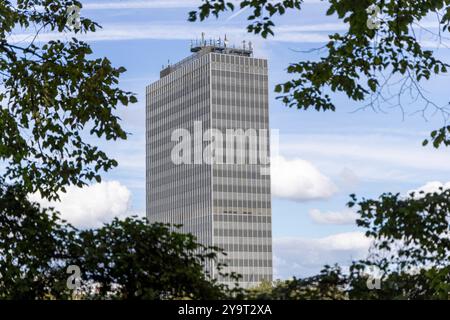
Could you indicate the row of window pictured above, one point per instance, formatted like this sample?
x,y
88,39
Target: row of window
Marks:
x,y
176,172
207,154
252,117
235,59
191,67
242,188
239,68
166,180
247,278
162,163
182,198
239,88
193,215
176,180
242,218
239,173
169,120
186,120
175,97
235,196
242,204
179,199
244,105
243,233
235,247
238,75
247,262
196,76
165,131
225,148
218,61
188,63
171,109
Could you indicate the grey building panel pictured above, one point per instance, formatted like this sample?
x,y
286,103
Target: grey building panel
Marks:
x,y
223,204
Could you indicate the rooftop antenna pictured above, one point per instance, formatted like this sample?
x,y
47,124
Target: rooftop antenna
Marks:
x,y
225,41
203,38
219,42
250,46
243,43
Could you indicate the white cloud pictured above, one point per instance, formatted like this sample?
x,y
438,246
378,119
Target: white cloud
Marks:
x,y
299,180
431,187
306,256
333,217
91,206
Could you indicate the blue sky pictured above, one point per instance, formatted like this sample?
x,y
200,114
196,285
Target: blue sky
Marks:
x,y
363,152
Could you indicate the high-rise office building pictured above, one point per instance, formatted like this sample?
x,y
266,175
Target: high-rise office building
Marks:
x,y
223,197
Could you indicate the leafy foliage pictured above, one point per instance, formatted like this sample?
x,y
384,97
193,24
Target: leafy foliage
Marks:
x,y
409,258
363,63
34,247
130,259
263,11
330,284
52,95
125,259
411,242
